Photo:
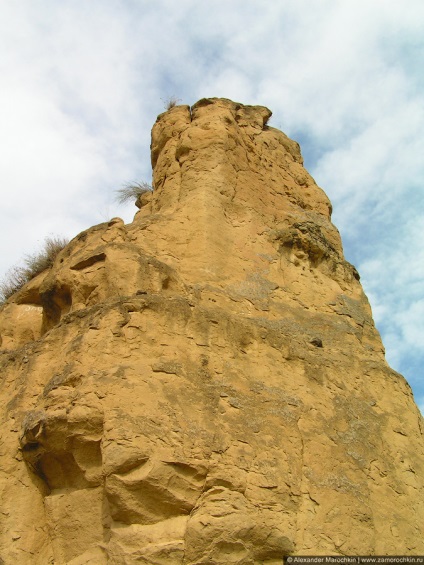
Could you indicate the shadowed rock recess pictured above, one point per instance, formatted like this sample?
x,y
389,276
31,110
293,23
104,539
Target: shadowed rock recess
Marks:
x,y
205,385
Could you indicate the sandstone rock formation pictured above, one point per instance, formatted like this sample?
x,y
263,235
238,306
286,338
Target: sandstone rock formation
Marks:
x,y
206,385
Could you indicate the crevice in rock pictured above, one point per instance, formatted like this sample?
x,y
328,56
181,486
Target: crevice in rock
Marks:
x,y
84,263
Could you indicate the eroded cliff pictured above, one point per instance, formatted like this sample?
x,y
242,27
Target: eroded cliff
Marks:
x,y
206,385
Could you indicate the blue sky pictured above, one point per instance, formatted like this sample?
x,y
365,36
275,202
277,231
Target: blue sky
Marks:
x,y
82,83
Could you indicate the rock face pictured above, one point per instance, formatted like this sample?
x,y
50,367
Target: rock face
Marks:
x,y
206,385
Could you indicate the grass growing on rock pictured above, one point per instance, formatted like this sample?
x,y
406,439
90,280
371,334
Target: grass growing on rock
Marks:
x,y
170,102
35,264
132,192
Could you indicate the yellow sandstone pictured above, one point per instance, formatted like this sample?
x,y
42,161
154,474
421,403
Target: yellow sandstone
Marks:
x,y
205,385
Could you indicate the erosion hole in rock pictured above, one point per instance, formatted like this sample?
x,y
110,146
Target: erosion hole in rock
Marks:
x,y
56,302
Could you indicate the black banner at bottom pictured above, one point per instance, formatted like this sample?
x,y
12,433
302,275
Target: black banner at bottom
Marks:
x,y
354,559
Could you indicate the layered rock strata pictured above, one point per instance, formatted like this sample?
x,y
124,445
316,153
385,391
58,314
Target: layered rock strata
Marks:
x,y
206,384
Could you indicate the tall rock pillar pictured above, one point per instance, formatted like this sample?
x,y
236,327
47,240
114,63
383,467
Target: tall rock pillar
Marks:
x,y
205,385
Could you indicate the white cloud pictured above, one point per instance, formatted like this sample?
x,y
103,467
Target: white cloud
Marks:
x,y
411,322
393,278
68,102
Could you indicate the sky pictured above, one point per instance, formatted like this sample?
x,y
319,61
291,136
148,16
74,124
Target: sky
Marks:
x,y
81,84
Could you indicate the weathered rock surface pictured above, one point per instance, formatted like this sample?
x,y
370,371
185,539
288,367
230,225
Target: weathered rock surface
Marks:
x,y
206,385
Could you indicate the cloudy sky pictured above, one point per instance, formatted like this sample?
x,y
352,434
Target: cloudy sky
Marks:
x,y
81,84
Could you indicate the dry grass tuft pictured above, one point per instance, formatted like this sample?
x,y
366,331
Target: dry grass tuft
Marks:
x,y
132,191
171,102
17,277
